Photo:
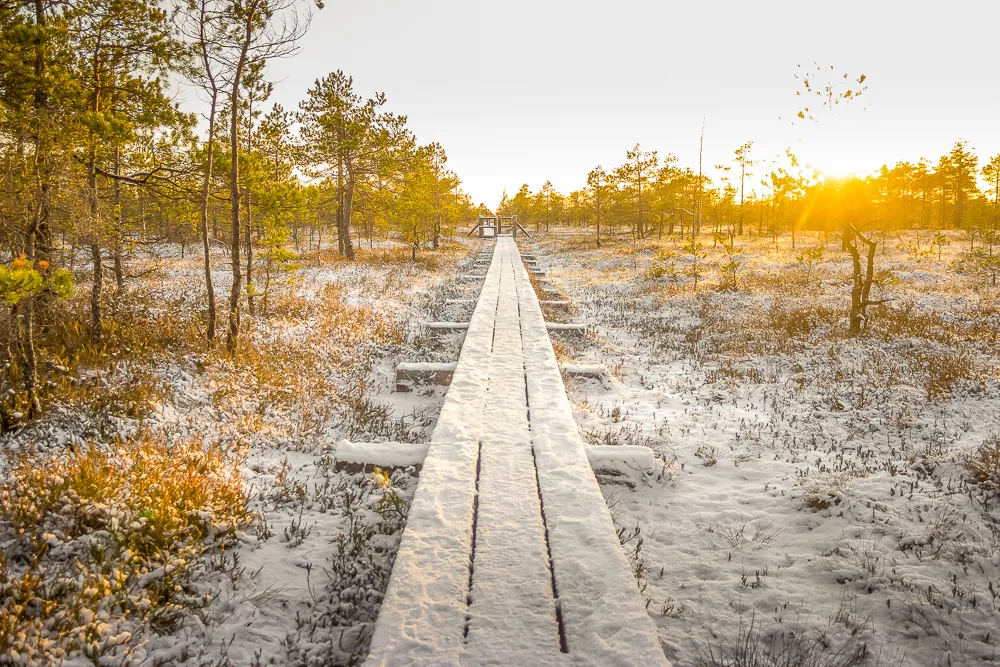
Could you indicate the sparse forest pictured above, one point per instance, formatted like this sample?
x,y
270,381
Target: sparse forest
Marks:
x,y
149,236
101,166
650,196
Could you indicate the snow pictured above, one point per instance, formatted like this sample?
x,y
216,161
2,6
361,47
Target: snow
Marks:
x,y
623,459
565,326
382,454
511,598
273,584
605,618
448,325
427,366
422,620
585,370
423,615
810,486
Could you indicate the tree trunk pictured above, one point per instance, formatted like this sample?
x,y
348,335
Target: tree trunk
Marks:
x,y
340,207
233,334
249,255
598,227
345,222
743,174
95,293
861,283
267,284
43,240
95,251
119,230
206,191
26,334
638,216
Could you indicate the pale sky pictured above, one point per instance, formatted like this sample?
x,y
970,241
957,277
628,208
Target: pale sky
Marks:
x,y
524,91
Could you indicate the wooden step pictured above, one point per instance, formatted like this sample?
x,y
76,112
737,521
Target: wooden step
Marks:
x,y
510,555
565,327
447,327
410,375
355,457
585,372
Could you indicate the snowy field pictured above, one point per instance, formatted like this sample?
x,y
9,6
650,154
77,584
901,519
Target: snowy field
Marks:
x,y
298,579
825,500
819,500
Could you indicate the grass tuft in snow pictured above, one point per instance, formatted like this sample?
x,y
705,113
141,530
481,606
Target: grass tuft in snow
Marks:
x,y
983,467
755,648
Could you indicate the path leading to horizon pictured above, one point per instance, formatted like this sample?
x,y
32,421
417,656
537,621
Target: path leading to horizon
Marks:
x,y
510,555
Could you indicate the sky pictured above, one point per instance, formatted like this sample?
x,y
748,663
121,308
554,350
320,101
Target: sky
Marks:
x,y
524,91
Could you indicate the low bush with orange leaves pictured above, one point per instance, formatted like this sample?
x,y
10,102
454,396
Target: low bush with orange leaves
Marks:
x,y
106,540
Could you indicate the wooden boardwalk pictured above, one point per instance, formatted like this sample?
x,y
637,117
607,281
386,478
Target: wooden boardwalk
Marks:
x,y
510,556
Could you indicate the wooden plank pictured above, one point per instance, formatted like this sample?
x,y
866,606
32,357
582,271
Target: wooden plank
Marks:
x,y
511,597
565,327
423,616
604,616
409,375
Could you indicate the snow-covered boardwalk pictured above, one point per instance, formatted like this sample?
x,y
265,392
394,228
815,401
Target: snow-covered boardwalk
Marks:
x,y
510,556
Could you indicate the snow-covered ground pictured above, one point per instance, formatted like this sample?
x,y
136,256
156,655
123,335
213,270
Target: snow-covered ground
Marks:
x,y
817,508
302,584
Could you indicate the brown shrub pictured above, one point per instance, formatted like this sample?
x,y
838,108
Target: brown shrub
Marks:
x,y
101,537
947,369
983,466
799,321
398,254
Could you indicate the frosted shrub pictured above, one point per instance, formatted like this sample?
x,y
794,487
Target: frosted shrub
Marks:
x,y
945,371
106,540
984,467
339,630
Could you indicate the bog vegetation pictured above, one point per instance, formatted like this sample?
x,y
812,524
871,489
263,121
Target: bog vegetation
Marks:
x,y
99,165
146,242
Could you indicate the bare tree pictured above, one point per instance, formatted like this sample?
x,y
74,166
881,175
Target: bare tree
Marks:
x,y
262,30
597,179
863,275
204,27
743,159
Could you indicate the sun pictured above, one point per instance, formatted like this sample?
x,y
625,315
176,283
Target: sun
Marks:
x,y
839,174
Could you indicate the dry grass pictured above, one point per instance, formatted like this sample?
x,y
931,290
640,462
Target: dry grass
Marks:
x,y
139,328
983,466
319,364
536,285
117,537
946,370
883,430
756,648
447,253
104,539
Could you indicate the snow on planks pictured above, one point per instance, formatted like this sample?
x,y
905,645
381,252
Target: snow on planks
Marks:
x,y
511,601
509,555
